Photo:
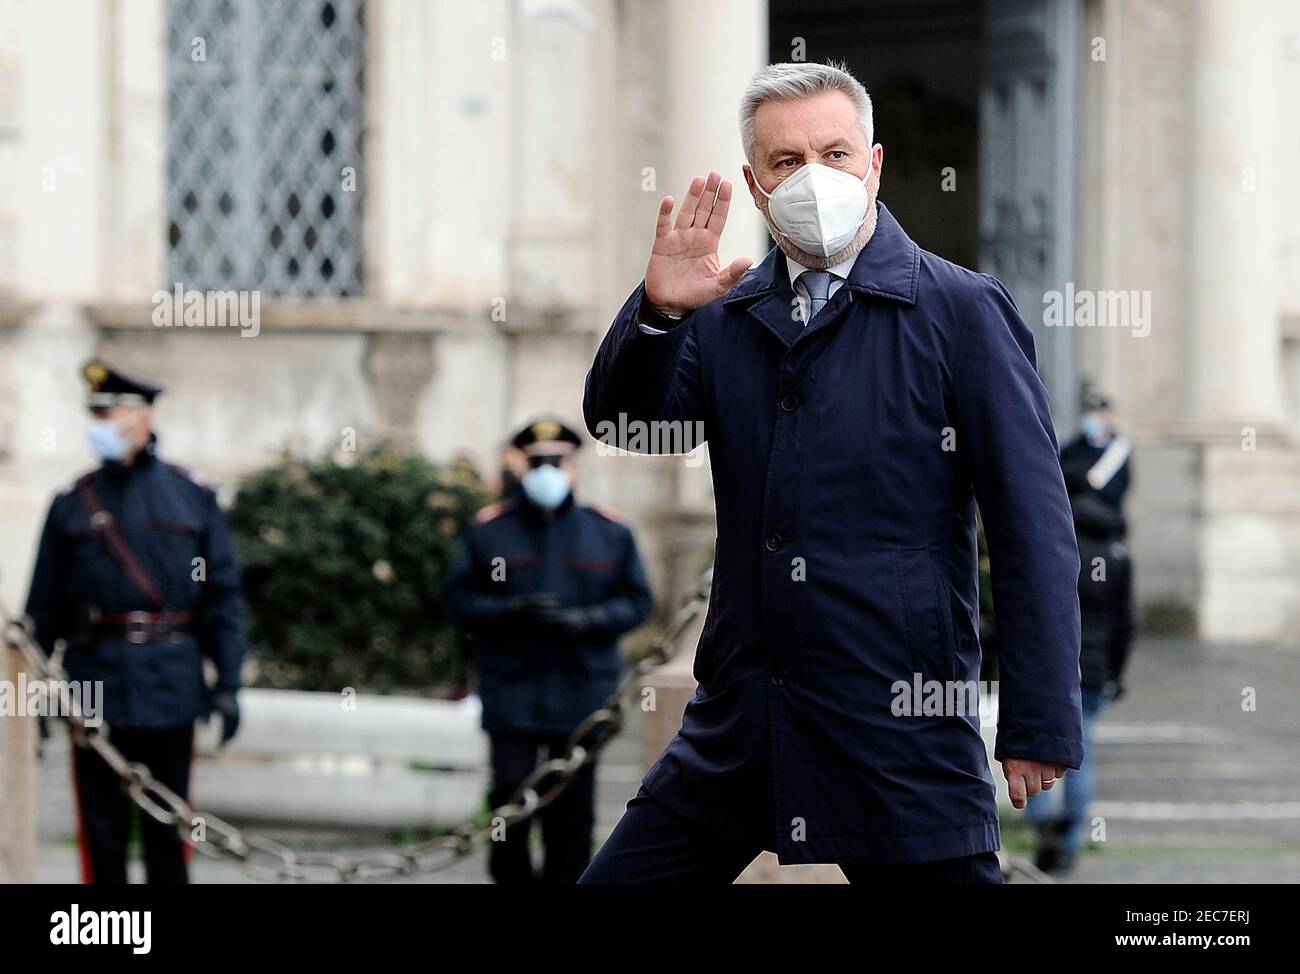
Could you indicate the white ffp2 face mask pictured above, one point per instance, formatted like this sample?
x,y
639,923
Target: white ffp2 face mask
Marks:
x,y
819,208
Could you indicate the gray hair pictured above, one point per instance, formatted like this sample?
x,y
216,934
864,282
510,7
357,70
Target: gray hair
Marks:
x,y
800,80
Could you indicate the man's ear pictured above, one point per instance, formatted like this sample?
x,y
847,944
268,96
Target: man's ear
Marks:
x,y
877,163
750,182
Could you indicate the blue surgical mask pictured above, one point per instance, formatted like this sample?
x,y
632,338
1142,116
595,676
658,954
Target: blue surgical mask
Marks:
x,y
546,486
106,440
1093,427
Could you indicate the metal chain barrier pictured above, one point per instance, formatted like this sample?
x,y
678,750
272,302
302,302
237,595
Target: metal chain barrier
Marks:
x,y
273,861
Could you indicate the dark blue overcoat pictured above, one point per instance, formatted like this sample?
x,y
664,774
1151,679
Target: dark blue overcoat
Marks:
x,y
848,457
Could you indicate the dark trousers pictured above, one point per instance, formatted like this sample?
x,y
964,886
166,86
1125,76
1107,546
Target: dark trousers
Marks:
x,y
567,822
104,809
652,844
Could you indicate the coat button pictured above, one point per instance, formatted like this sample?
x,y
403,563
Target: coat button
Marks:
x,y
779,676
790,402
772,542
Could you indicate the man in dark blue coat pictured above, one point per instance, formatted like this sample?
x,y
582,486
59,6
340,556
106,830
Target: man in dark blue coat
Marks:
x,y
859,397
545,587
136,573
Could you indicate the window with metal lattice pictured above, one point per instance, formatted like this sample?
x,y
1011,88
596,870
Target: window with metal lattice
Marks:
x,y
266,117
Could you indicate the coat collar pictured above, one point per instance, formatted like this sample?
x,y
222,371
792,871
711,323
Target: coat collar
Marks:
x,y
529,509
888,267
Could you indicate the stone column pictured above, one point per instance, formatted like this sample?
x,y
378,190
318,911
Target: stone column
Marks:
x,y
63,177
136,260
437,176
1233,339
1249,519
711,50
557,146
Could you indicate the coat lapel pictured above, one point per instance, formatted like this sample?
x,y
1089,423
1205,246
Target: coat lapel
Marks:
x,y
767,292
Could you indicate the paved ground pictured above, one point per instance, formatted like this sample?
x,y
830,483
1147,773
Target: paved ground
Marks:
x,y
1193,789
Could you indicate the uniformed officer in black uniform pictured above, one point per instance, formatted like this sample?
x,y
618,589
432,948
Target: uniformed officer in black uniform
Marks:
x,y
545,587
1105,455
136,571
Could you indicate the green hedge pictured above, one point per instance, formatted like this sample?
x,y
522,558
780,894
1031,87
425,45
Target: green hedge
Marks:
x,y
343,567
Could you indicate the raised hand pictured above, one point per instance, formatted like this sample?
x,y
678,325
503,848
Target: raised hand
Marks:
x,y
683,272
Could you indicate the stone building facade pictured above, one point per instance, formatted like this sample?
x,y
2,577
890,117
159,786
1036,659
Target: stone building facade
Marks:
x,y
492,171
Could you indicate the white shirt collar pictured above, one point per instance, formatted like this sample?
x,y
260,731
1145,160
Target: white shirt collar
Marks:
x,y
840,270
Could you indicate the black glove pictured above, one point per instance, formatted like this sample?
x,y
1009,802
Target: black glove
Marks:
x,y
532,606
573,621
224,702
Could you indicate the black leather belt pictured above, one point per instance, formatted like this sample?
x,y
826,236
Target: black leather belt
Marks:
x,y
143,627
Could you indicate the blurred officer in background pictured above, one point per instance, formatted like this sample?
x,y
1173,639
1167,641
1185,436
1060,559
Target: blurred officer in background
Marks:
x,y
136,573
545,587
1106,614
1104,455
